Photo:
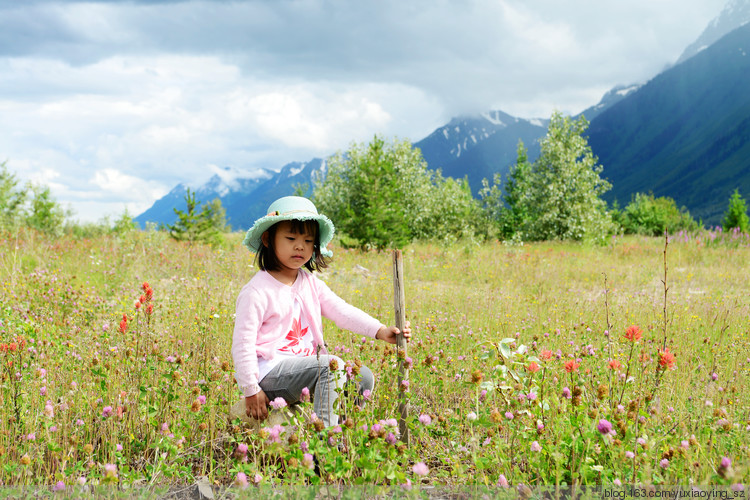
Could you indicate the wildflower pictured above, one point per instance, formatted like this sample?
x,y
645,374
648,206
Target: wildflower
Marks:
x,y
664,463
566,393
477,376
604,426
53,428
390,438
49,411
241,480
25,459
110,471
308,461
366,394
532,367
633,333
425,419
471,416
571,366
59,486
714,376
420,469
278,403
257,478
629,454
404,386
545,354
31,437
149,309
483,395
123,324
666,359
202,399
81,481
305,396
509,415
614,364
535,446
502,481
531,396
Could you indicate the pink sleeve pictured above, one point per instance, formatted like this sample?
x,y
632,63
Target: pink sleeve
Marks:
x,y
248,318
345,315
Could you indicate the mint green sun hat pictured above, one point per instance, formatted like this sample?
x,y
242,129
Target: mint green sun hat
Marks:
x,y
290,208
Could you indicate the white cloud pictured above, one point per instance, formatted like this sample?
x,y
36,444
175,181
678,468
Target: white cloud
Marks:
x,y
148,94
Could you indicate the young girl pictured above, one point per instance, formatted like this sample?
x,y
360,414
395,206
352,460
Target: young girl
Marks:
x,y
278,345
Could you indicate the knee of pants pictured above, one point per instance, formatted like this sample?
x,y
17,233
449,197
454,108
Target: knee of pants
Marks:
x,y
326,361
367,379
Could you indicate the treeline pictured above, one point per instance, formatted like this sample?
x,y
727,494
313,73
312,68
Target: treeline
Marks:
x,y
382,195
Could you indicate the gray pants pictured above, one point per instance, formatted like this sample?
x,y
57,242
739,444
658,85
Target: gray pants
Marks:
x,y
291,375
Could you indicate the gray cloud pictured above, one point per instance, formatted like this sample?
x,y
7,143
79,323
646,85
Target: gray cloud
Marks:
x,y
96,95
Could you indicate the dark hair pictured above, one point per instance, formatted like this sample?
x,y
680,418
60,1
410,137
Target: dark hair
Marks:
x,y
266,255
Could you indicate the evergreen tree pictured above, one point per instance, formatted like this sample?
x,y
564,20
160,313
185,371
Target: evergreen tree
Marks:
x,y
736,214
206,225
561,199
514,214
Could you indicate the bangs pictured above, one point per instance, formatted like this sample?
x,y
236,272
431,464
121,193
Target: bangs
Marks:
x,y
305,227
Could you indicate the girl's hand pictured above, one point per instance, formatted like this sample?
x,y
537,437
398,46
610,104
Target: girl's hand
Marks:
x,y
390,333
256,406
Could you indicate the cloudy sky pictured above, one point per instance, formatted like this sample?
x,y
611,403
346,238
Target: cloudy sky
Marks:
x,y
112,103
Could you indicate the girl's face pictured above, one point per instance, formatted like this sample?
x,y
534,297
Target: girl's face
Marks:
x,y
293,249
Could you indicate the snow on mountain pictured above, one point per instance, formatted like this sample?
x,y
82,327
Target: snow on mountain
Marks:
x,y
736,13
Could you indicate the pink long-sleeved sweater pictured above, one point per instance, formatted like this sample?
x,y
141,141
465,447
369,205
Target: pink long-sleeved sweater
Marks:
x,y
264,315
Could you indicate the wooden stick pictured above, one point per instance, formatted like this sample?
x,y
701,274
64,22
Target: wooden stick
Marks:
x,y
399,305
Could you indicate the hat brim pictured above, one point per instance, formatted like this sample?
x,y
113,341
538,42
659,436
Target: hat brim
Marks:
x,y
326,229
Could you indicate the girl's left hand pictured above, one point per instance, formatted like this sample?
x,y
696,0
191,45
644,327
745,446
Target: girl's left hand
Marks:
x,y
390,333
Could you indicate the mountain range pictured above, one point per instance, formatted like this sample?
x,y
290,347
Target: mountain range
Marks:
x,y
684,134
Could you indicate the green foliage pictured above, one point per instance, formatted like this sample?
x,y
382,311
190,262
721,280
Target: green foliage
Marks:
x,y
736,214
515,212
44,213
206,225
11,199
651,216
559,197
382,195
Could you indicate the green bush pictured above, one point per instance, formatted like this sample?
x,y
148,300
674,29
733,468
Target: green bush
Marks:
x,y
736,214
651,216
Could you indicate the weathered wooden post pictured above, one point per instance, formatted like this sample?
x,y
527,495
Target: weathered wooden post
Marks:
x,y
399,305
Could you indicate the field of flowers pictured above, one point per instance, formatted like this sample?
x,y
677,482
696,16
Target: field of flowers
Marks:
x,y
543,364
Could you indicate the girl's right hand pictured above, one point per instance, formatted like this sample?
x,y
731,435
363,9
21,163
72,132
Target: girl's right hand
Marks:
x,y
256,406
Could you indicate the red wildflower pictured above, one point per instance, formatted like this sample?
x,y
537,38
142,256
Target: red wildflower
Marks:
x,y
149,294
137,304
633,333
546,354
21,342
666,359
644,357
571,366
149,308
142,299
3,347
12,347
614,364
533,367
145,286
123,324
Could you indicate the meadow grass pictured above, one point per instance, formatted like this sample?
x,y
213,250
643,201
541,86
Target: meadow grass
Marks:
x,y
521,372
